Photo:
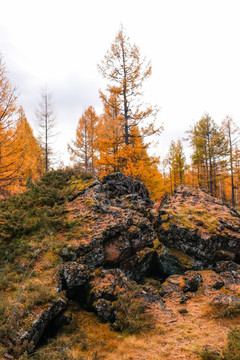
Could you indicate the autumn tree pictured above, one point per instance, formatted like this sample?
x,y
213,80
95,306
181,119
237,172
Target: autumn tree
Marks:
x,y
84,148
46,124
236,170
209,151
232,132
8,113
28,154
126,70
134,161
177,165
110,132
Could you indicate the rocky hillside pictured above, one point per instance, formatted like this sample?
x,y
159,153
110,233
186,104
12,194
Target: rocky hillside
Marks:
x,y
91,269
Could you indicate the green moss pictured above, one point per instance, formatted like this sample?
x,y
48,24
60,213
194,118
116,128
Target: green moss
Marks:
x,y
191,217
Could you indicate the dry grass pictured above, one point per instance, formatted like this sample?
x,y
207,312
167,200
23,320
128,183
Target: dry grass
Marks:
x,y
176,336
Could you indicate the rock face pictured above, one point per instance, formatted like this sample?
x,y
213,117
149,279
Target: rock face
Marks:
x,y
199,225
118,249
122,222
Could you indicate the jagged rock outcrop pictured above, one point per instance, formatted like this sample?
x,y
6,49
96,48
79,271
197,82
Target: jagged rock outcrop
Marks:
x,y
122,222
199,225
118,248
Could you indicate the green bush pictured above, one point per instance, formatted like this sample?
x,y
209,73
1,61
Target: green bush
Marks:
x,y
210,355
41,207
232,350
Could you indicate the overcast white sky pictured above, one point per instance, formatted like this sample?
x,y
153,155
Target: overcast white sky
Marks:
x,y
194,46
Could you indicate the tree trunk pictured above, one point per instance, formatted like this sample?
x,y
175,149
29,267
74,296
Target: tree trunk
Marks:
x,y
231,170
46,135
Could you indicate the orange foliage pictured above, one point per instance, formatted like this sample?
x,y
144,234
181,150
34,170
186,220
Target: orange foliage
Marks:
x,y
110,138
27,155
83,148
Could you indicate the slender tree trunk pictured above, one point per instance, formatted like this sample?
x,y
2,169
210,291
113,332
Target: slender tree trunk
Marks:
x,y
231,170
125,99
86,146
210,163
46,135
211,176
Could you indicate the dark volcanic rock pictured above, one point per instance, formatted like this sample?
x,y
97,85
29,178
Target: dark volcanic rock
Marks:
x,y
199,225
223,299
118,184
117,249
44,321
73,276
180,284
171,285
223,266
122,221
193,279
170,261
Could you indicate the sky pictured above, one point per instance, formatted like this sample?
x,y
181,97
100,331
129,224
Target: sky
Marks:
x,y
194,46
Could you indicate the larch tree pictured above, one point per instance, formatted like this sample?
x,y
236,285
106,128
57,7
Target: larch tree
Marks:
x,y
110,133
232,132
46,124
83,149
125,69
8,114
177,165
28,156
134,161
209,152
236,158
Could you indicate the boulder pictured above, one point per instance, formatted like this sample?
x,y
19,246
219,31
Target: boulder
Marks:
x,y
171,261
180,284
193,280
199,225
223,299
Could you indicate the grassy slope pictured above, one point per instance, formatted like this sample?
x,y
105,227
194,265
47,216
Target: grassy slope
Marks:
x,y
34,230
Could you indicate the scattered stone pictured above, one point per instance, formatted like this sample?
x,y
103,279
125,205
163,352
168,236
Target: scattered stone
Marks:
x,y
182,311
193,279
184,299
223,299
